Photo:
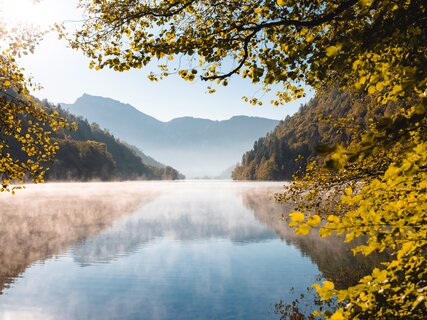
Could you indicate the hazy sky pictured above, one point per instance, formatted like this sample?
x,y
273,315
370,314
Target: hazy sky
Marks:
x,y
65,76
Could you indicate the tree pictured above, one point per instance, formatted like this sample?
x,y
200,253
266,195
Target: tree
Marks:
x,y
364,43
375,185
26,146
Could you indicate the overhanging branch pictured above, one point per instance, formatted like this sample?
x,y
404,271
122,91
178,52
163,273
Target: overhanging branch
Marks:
x,y
284,22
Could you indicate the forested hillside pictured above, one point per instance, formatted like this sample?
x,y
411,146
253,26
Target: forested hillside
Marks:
x,y
296,140
92,153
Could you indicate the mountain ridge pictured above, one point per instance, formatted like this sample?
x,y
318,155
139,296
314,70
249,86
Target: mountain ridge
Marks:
x,y
195,146
85,96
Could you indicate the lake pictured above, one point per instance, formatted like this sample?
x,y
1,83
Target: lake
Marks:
x,y
156,250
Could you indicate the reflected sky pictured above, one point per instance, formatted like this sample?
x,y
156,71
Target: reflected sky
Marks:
x,y
181,216
166,250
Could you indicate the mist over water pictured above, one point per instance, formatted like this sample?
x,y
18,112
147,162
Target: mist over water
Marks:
x,y
154,250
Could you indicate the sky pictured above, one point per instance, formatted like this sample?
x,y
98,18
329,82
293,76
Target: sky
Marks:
x,y
64,75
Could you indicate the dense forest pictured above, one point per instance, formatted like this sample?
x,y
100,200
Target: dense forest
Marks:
x,y
92,153
330,118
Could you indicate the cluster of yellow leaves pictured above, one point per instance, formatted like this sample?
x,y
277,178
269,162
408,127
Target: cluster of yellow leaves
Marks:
x,y
26,145
285,43
389,209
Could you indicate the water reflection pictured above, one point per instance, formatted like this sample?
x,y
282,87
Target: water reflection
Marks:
x,y
182,250
332,256
44,220
179,216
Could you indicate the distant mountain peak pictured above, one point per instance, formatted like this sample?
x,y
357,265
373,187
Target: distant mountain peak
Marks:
x,y
92,107
97,99
87,96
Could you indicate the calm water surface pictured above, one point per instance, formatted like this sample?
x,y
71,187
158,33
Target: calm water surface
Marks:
x,y
154,250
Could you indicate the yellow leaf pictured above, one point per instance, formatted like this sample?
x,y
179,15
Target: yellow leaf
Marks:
x,y
349,237
281,2
379,86
297,216
365,3
333,218
325,232
303,229
314,221
328,285
337,315
331,51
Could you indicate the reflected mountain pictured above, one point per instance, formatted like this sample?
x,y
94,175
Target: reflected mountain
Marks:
x,y
45,220
332,256
179,216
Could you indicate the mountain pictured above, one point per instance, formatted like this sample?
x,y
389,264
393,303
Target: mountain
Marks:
x,y
146,159
92,153
293,143
196,147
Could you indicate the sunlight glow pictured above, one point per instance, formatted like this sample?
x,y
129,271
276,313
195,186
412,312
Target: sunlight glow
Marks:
x,y
27,12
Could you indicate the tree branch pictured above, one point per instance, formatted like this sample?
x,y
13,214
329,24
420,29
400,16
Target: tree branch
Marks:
x,y
286,22
246,42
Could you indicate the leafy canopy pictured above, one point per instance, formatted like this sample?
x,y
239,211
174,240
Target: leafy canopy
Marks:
x,y
370,44
375,185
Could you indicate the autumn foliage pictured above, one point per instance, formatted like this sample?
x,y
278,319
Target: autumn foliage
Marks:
x,y
26,144
374,186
